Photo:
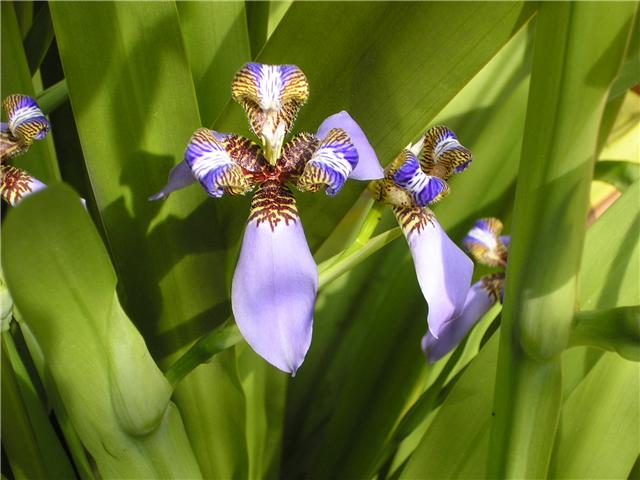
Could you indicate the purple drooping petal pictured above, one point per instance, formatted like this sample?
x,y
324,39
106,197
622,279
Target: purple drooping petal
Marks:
x,y
275,282
368,167
477,303
180,176
443,270
424,189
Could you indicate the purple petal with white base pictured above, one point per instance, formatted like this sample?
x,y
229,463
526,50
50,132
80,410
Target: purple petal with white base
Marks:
x,y
477,303
443,270
180,176
330,164
424,189
276,280
212,165
368,167
26,120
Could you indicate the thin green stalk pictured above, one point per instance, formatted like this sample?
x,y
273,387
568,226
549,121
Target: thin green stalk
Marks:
x,y
578,52
53,97
334,270
613,329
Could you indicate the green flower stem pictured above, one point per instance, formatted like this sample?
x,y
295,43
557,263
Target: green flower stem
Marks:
x,y
202,351
578,52
330,270
614,329
347,230
54,96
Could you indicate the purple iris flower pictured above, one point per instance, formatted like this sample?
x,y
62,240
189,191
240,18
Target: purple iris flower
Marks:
x,y
276,279
415,179
488,247
26,123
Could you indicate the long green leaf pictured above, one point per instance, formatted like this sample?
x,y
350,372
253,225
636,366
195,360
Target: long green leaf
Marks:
x,y
217,44
139,96
578,52
62,282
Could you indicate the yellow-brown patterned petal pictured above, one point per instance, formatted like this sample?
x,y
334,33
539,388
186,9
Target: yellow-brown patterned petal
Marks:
x,y
26,120
442,154
15,184
271,95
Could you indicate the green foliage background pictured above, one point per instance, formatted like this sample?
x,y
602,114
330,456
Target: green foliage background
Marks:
x,y
107,302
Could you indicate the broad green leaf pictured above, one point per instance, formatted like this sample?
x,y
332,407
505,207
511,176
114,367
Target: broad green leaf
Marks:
x,y
599,435
467,412
610,274
61,280
39,161
139,95
217,45
578,52
586,369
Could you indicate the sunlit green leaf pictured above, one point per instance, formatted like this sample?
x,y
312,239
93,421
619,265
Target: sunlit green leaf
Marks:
x,y
61,280
139,94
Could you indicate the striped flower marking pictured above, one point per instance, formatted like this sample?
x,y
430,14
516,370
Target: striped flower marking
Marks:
x,y
276,279
15,184
26,123
273,203
413,220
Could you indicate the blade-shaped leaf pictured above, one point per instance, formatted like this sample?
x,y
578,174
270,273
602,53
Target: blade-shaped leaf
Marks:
x,y
61,280
135,109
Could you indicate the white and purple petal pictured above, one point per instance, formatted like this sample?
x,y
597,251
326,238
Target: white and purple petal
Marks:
x,y
478,302
443,270
212,166
424,189
25,119
271,95
331,163
368,167
275,281
484,242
